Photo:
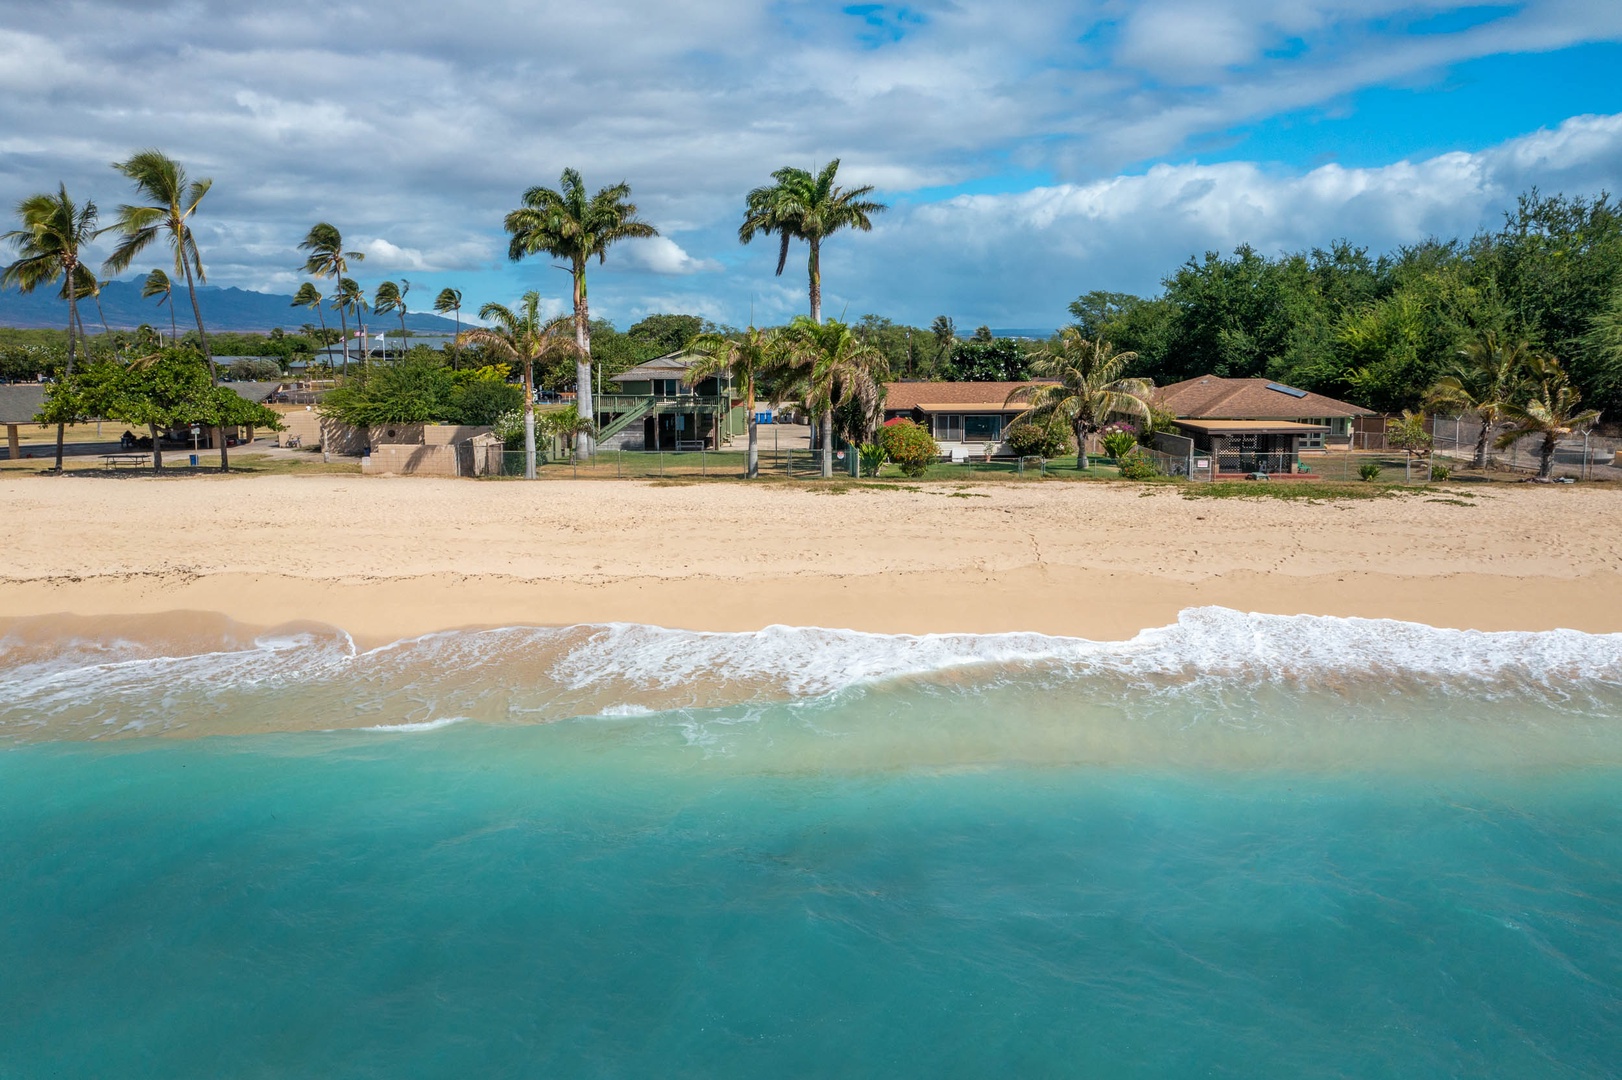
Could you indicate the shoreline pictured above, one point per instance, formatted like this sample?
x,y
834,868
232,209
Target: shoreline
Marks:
x,y
384,560
1119,606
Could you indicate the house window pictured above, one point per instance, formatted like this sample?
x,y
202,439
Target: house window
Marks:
x,y
983,427
948,427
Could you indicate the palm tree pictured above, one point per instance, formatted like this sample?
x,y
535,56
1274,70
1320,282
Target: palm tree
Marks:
x,y
1087,390
1550,410
391,297
837,371
157,283
743,361
566,224
523,337
54,229
800,206
170,204
451,300
309,297
349,296
1487,377
328,259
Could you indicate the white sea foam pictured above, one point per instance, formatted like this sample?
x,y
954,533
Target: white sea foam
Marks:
x,y
529,674
426,725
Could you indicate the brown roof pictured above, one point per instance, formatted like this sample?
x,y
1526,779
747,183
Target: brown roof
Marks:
x,y
1211,397
1248,427
936,396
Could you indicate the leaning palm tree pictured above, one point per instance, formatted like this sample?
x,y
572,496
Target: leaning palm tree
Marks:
x,y
308,296
523,337
837,372
54,229
391,297
1086,389
170,205
328,259
1486,378
1550,409
347,297
743,360
451,300
157,283
566,224
800,206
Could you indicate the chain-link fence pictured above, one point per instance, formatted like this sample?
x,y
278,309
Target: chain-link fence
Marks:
x,y
1582,456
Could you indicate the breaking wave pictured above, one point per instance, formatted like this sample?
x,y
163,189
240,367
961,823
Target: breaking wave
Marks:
x,y
317,678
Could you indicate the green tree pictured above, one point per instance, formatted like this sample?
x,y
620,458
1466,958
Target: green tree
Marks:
x,y
840,375
567,224
450,300
157,284
523,338
743,360
391,297
1088,389
348,296
328,259
171,202
308,296
1486,379
1552,409
53,232
802,206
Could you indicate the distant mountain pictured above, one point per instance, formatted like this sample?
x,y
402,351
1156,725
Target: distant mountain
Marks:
x,y
223,309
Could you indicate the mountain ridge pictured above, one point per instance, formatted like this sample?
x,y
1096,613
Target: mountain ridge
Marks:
x,y
224,308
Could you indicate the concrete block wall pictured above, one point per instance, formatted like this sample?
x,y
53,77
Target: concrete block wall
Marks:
x,y
412,459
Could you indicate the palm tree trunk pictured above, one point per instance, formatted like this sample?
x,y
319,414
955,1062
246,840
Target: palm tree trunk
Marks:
x,y
208,354
584,406
826,426
815,267
752,471
529,418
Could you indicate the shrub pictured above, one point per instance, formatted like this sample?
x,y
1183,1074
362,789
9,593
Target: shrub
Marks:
x,y
1036,440
259,369
481,401
1369,470
909,446
1440,472
1135,466
1119,440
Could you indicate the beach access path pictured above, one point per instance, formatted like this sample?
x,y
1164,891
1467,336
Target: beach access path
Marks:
x,y
389,558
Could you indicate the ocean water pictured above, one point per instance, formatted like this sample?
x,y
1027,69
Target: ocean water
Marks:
x,y
1244,846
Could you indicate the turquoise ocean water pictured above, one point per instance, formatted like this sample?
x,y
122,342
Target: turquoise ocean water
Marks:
x,y
1239,846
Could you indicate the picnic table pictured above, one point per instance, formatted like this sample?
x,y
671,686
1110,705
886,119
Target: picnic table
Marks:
x,y
117,461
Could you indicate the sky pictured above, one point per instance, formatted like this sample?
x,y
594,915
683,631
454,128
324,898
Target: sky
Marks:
x,y
1029,151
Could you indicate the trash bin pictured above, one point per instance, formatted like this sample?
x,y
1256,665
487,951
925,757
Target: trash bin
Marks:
x,y
194,461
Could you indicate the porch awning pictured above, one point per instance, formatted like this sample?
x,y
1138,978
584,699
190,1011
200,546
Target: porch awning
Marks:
x,y
1249,427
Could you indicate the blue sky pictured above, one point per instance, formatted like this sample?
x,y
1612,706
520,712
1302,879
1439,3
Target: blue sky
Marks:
x,y
1031,151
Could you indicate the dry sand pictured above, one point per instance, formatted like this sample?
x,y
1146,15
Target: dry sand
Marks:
x,y
389,558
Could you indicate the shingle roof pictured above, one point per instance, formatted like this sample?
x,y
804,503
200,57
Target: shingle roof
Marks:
x,y
670,366
1211,397
932,396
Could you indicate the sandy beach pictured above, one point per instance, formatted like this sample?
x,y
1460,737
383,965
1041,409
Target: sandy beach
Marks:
x,y
384,559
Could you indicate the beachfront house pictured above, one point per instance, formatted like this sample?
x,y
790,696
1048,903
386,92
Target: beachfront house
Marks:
x,y
652,407
1243,427
967,419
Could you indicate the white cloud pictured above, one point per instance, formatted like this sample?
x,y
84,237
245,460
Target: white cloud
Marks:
x,y
662,255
